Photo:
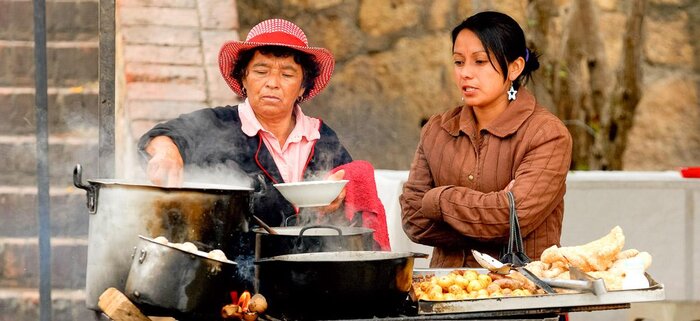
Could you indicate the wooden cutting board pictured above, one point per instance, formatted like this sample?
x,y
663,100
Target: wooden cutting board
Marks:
x,y
118,307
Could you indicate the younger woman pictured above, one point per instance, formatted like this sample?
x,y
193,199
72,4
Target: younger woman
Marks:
x,y
500,139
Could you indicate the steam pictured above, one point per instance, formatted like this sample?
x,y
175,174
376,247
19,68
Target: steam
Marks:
x,y
245,270
228,173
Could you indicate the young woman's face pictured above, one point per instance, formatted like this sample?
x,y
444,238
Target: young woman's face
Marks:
x,y
273,84
480,83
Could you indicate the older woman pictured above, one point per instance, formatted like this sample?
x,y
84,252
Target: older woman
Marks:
x,y
499,140
267,135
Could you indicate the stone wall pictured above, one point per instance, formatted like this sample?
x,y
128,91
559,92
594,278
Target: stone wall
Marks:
x,y
667,123
393,70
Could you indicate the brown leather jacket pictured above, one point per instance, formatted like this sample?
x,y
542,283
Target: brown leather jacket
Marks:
x,y
455,198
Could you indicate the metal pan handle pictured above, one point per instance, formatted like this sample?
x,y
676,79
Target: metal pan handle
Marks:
x,y
91,190
305,228
302,247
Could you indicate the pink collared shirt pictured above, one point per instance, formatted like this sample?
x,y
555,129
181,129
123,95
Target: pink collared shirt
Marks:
x,y
290,158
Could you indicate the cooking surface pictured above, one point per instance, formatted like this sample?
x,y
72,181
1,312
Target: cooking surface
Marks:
x,y
572,302
462,317
535,314
548,314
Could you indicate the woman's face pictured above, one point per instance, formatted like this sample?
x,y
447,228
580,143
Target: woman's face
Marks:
x,y
480,83
273,84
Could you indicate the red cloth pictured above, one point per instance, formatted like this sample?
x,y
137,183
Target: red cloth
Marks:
x,y
361,196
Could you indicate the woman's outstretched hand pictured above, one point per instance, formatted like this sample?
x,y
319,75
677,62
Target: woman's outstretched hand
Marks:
x,y
335,205
165,168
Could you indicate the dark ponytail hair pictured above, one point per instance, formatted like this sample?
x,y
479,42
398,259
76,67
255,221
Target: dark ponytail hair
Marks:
x,y
503,39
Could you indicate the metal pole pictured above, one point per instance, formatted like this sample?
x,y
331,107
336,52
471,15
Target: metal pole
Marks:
x,y
42,155
105,164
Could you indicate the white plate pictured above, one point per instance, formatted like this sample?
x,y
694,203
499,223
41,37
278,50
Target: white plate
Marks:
x,y
311,194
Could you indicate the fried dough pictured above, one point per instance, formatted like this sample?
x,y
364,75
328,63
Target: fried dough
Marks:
x,y
597,255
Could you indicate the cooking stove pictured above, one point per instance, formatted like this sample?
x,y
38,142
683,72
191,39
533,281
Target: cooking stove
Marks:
x,y
453,316
544,314
539,314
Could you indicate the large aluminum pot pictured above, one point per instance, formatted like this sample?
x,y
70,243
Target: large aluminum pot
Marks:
x,y
312,238
336,285
166,280
207,215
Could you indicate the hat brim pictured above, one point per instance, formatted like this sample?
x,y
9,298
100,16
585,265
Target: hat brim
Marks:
x,y
230,50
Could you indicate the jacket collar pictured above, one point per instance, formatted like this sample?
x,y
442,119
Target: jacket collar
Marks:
x,y
462,119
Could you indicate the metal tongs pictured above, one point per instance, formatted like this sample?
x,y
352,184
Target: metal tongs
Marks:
x,y
580,281
488,262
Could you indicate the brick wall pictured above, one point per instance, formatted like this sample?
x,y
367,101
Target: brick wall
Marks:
x,y
167,57
72,45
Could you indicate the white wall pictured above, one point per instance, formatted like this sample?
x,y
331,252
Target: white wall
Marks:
x,y
659,212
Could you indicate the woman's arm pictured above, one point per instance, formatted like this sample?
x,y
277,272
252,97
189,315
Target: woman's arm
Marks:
x,y
423,226
169,145
539,187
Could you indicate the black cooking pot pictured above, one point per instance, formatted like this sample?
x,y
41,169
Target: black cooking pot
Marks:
x,y
168,281
312,238
336,285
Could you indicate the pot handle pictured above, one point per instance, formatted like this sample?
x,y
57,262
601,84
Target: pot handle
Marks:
x,y
91,190
305,228
300,246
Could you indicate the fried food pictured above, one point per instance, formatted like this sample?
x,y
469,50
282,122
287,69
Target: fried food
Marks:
x,y
597,255
602,258
642,258
626,254
469,284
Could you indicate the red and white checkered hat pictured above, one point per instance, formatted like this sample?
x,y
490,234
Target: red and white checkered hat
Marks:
x,y
276,32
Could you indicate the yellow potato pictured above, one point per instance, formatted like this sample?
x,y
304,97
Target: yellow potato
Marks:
x,y
484,283
461,281
445,281
471,275
485,277
437,296
455,289
474,285
435,289
463,296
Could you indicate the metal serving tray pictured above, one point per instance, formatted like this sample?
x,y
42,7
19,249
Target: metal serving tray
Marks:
x,y
577,301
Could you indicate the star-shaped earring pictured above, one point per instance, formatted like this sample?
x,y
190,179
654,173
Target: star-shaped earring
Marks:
x,y
511,93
